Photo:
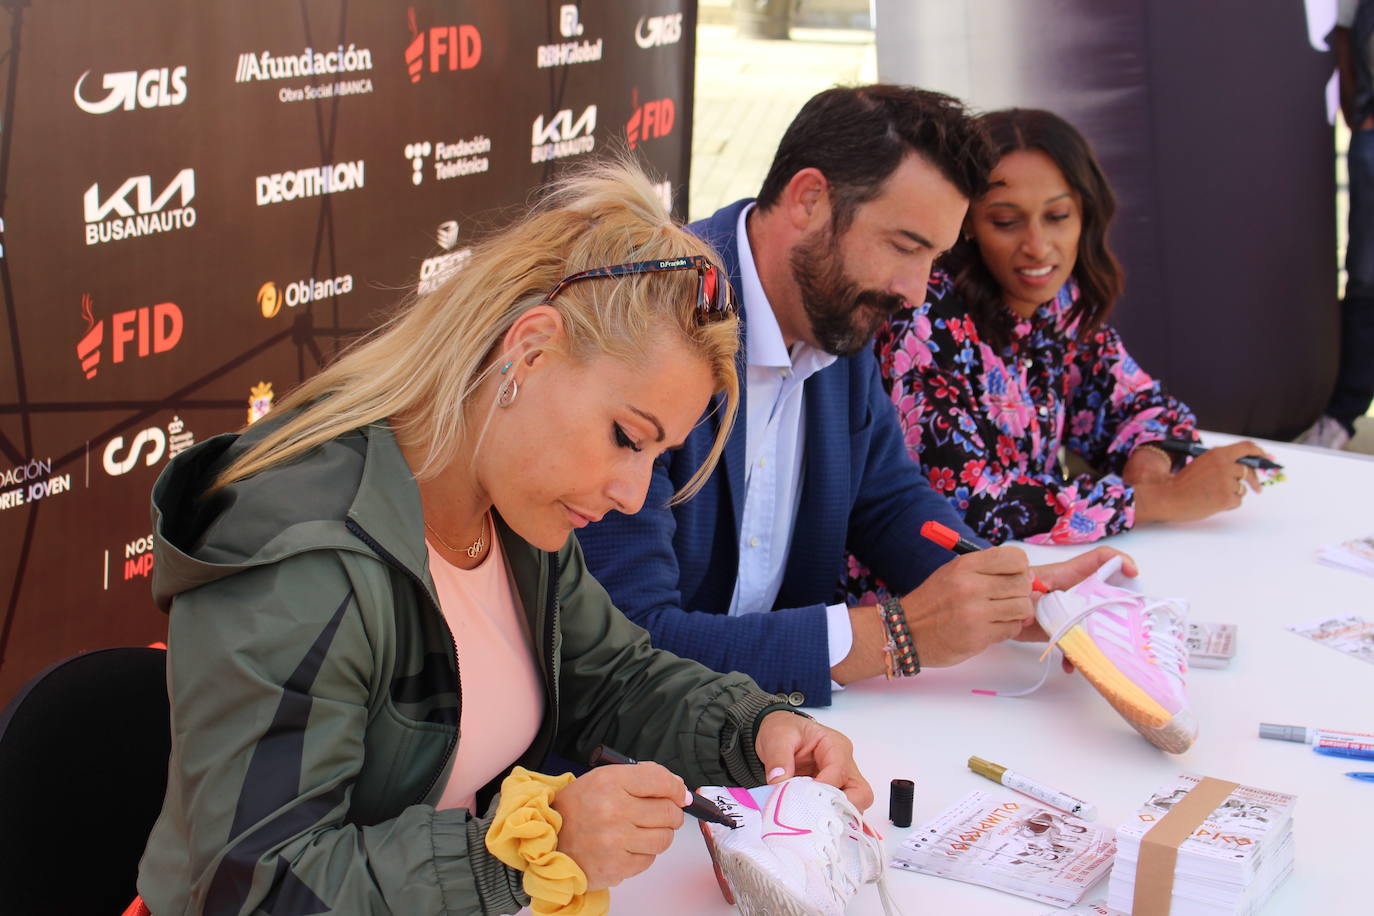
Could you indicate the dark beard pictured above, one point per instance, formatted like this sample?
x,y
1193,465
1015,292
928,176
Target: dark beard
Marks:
x,y
834,303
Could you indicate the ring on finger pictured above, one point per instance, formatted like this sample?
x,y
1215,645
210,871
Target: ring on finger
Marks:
x,y
1240,486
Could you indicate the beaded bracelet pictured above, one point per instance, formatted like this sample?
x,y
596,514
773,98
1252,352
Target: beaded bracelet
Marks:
x,y
902,649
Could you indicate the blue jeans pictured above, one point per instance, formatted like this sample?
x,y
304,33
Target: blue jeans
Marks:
x,y
1355,377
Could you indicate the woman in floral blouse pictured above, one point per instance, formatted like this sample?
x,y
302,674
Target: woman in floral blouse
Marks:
x,y
1009,358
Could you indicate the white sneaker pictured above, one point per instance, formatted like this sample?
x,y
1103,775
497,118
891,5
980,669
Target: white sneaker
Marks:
x,y
801,849
1327,432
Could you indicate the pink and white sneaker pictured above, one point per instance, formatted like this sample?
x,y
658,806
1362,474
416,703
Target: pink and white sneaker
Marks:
x,y
1132,648
801,849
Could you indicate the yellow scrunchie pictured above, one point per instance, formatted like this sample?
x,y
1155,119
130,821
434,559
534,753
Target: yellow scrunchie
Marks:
x,y
524,835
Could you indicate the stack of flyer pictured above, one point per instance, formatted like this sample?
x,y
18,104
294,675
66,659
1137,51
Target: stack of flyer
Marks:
x,y
1011,844
1356,554
1211,645
1230,858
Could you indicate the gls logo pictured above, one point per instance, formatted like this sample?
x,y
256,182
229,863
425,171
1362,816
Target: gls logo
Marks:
x,y
650,120
146,215
661,30
157,330
450,47
562,136
158,88
176,440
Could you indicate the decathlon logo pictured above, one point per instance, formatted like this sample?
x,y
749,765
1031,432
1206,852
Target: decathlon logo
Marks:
x,y
656,31
128,89
149,444
451,160
153,329
574,51
326,179
441,48
302,292
113,218
562,136
650,120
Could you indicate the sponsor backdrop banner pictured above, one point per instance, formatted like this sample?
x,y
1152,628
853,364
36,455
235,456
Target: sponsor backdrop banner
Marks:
x,y
201,203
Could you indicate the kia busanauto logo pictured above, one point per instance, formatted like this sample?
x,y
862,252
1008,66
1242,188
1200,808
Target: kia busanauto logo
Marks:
x,y
112,218
562,136
157,88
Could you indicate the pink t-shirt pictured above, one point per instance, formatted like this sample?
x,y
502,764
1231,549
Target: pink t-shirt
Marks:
x,y
503,690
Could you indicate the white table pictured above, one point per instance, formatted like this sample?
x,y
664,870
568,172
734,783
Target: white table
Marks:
x,y
1253,567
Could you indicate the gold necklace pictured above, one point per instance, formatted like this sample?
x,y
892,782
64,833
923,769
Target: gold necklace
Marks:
x,y
475,550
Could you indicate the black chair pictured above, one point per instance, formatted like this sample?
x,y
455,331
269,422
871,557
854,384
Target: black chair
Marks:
x,y
83,768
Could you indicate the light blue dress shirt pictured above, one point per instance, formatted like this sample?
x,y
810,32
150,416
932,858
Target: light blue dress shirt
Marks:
x,y
775,430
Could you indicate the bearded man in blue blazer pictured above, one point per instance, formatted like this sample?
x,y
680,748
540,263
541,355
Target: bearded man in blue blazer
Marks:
x,y
869,186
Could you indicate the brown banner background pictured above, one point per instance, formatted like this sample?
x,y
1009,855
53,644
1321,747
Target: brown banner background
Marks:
x,y
167,256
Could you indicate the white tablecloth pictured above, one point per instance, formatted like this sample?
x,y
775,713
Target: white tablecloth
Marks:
x,y
1253,567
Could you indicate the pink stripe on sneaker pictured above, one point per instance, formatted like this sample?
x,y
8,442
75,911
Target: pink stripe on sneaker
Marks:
x,y
744,798
794,831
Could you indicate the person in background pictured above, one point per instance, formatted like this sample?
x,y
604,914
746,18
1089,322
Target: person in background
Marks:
x,y
377,609
1351,40
1008,358
869,184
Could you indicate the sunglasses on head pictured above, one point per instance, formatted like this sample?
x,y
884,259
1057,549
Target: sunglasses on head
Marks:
x,y
715,300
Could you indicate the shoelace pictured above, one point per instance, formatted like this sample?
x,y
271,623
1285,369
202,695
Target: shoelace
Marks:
x,y
847,818
1167,650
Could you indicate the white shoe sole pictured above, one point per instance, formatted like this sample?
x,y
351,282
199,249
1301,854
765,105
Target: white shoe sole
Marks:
x,y
756,891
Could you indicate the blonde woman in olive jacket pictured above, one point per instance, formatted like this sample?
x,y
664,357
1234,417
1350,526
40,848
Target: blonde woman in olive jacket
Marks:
x,y
318,700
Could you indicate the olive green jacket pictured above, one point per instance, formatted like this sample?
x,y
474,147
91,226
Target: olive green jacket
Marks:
x,y
315,692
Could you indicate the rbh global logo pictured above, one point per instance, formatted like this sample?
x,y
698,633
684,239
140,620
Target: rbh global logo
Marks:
x,y
572,51
150,89
650,120
562,136
153,329
114,218
441,48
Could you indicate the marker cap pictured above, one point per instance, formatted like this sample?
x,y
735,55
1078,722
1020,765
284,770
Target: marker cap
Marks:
x,y
1296,733
986,768
899,800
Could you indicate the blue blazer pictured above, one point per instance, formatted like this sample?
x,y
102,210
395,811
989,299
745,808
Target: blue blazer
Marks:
x,y
672,570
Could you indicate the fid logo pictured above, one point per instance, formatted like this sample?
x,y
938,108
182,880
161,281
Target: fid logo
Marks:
x,y
157,88
157,329
450,47
650,120
568,26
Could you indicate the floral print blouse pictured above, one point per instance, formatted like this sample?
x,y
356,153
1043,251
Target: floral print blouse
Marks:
x,y
986,427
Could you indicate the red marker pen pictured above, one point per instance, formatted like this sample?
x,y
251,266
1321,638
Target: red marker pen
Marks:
x,y
949,539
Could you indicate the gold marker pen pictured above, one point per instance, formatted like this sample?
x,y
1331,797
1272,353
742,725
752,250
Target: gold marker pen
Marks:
x,y
1013,780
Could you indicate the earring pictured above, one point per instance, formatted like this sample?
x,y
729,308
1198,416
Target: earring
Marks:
x,y
505,395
